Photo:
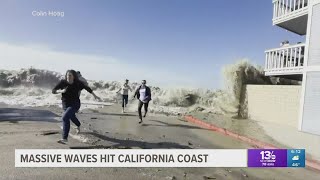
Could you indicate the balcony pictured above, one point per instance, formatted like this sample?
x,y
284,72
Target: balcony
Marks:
x,y
288,60
291,15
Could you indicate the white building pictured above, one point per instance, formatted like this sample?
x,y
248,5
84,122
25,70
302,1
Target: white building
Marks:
x,y
300,61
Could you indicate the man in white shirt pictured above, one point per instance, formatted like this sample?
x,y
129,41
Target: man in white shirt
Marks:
x,y
125,94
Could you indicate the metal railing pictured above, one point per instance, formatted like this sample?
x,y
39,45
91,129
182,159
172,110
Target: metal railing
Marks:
x,y
282,8
285,59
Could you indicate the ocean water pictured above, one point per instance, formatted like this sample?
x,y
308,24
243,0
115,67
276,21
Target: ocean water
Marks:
x,y
32,87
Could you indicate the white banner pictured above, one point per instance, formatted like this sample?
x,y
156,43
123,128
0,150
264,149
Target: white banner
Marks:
x,y
131,158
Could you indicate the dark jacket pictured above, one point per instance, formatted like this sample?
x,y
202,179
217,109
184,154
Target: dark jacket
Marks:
x,y
148,93
71,95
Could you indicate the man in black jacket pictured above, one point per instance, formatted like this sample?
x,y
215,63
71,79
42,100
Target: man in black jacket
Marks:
x,y
143,94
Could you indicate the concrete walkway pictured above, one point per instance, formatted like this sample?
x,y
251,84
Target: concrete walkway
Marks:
x,y
271,134
291,137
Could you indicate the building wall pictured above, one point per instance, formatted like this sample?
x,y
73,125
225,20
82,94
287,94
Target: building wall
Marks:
x,y
311,113
311,87
314,42
274,103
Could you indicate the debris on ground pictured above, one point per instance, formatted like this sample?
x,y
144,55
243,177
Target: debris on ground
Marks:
x,y
255,146
190,143
245,175
184,174
208,177
181,119
198,109
94,131
46,133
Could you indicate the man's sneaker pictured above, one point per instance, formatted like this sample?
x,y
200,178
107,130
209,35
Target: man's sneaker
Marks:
x,y
140,121
63,141
74,127
77,130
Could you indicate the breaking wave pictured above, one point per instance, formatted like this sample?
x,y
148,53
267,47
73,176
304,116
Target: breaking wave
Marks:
x,y
32,87
29,77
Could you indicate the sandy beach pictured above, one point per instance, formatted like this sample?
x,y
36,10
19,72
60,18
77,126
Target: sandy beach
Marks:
x,y
107,128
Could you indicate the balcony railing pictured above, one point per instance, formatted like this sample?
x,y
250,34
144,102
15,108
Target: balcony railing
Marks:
x,y
285,60
283,8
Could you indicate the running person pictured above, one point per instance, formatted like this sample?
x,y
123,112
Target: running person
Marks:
x,y
125,94
71,86
143,94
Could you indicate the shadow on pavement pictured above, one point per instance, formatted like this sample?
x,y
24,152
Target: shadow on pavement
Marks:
x,y
172,125
90,147
111,114
14,115
128,144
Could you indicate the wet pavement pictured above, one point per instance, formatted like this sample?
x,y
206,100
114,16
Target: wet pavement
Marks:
x,y
109,128
26,114
279,135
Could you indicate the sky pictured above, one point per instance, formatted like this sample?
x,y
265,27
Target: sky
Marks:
x,y
181,43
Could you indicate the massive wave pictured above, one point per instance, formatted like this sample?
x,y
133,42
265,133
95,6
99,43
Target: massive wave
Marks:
x,y
32,87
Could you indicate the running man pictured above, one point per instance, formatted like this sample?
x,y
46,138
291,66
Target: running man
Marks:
x,y
71,86
143,94
125,94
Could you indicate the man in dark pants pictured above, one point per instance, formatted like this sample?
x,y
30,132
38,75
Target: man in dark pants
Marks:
x,y
143,94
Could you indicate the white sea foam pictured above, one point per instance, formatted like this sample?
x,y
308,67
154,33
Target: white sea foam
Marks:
x,y
32,87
